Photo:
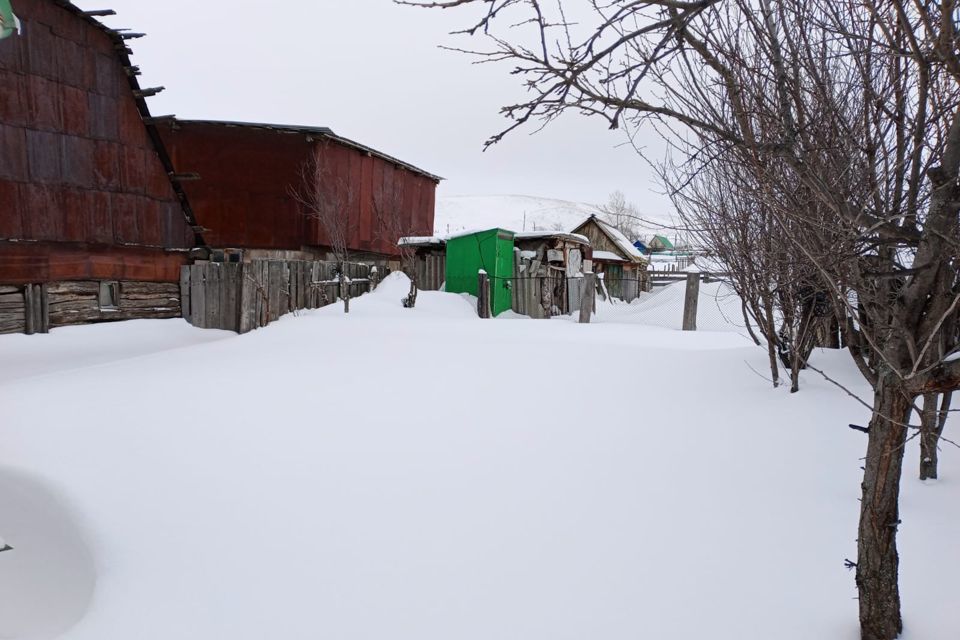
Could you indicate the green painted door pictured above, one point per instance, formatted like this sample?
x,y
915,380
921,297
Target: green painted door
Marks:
x,y
613,278
491,251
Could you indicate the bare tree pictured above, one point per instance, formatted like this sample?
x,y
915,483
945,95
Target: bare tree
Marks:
x,y
329,201
396,226
621,215
847,117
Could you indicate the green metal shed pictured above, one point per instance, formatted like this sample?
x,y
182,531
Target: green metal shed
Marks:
x,y
490,250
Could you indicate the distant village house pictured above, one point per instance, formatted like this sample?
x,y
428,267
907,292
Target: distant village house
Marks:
x,y
620,265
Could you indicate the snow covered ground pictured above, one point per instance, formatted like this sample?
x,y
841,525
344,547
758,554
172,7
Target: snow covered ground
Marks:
x,y
425,475
718,309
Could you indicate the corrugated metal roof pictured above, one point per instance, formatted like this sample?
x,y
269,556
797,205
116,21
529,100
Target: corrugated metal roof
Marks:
x,y
124,52
324,132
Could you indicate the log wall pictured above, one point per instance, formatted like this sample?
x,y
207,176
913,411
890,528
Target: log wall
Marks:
x,y
37,308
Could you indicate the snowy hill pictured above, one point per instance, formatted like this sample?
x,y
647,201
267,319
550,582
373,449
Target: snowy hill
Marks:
x,y
517,213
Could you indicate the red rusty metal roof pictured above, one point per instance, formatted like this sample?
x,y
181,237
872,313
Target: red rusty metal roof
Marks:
x,y
319,132
124,52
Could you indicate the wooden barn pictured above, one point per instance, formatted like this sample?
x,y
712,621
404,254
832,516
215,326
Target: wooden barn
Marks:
x,y
621,266
93,225
246,176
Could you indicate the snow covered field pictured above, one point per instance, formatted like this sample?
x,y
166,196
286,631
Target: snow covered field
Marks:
x,y
425,475
519,213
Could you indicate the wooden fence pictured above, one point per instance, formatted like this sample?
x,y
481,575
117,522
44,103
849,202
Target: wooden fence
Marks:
x,y
242,297
431,272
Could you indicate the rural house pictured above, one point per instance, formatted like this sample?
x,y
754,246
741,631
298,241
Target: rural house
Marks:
x,y
246,175
93,225
621,266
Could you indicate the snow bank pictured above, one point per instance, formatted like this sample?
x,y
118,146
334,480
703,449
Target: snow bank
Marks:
x,y
425,475
718,309
86,346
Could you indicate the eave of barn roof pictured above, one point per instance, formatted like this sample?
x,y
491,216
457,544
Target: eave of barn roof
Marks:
x,y
324,132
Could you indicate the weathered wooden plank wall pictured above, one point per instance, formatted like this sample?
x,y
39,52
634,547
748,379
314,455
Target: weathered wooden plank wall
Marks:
x,y
37,308
244,297
12,306
431,272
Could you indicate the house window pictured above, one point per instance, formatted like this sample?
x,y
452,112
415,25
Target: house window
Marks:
x,y
109,295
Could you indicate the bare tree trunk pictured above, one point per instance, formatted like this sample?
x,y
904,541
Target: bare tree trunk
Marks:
x,y
877,559
795,367
771,336
932,423
411,300
344,290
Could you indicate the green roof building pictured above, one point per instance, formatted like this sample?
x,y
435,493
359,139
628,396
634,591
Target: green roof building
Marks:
x,y
490,251
661,243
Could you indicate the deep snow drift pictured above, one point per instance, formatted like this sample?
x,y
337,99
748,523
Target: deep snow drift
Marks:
x,y
425,475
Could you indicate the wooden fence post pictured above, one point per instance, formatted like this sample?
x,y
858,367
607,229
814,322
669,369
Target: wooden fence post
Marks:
x,y
30,324
691,301
44,310
588,297
483,295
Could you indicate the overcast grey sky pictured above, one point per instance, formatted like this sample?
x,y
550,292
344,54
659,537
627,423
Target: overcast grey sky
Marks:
x,y
372,71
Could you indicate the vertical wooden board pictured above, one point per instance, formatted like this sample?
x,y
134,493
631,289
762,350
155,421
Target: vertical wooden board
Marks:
x,y
293,269
248,302
211,286
274,274
262,292
285,293
30,327
37,309
299,273
305,278
231,296
44,309
197,296
185,291
313,295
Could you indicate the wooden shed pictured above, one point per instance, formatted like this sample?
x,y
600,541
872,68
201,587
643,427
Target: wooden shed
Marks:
x,y
548,271
246,174
92,224
429,258
620,265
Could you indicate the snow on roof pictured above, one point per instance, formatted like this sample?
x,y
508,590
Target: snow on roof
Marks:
x,y
608,256
620,239
617,238
533,235
421,241
473,232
